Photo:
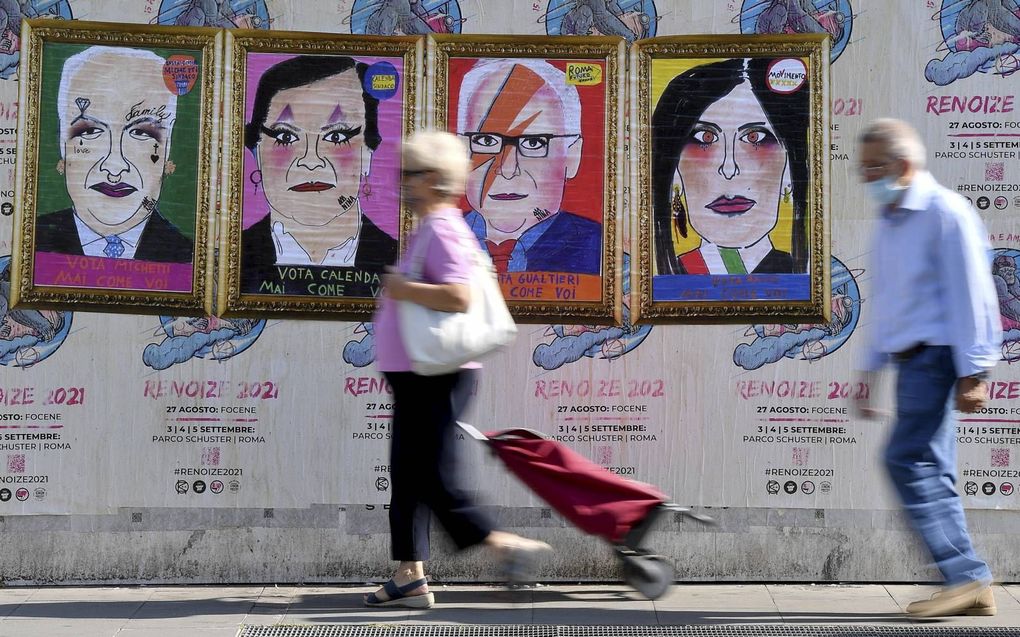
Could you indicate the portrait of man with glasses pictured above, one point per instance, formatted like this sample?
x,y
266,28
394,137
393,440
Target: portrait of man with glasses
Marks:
x,y
521,120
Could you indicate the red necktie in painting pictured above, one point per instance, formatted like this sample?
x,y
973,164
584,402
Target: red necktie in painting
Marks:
x,y
500,253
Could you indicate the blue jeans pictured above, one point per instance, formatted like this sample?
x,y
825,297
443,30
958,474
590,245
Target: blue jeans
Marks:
x,y
921,460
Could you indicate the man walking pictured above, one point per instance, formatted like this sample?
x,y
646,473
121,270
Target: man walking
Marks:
x,y
935,315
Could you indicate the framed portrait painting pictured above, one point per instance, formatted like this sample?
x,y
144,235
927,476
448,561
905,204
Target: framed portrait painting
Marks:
x,y
730,178
115,167
312,183
543,121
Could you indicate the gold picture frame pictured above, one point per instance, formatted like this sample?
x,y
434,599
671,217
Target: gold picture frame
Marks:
x,y
544,120
715,243
109,214
276,256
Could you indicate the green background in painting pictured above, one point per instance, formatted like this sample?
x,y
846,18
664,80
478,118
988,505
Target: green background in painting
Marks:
x,y
179,196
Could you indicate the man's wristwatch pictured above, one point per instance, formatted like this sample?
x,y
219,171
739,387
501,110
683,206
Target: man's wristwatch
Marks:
x,y
980,376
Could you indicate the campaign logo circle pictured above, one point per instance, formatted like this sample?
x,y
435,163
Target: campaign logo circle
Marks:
x,y
1006,488
772,486
807,487
825,487
40,493
983,203
234,486
21,494
1000,203
790,487
970,488
216,486
5,494
988,488
199,486
786,75
381,80
834,17
182,486
638,19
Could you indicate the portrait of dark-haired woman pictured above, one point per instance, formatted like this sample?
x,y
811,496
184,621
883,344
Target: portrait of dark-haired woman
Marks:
x,y
313,131
727,150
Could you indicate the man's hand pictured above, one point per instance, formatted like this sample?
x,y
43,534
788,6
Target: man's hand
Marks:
x,y
863,407
970,394
394,284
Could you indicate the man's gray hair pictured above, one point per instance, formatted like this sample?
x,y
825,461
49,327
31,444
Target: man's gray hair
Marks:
x,y
552,76
444,154
899,139
78,60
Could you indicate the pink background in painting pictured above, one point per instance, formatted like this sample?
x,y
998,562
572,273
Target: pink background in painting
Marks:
x,y
52,268
383,207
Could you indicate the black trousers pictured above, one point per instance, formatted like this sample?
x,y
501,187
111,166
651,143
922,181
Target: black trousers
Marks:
x,y
424,469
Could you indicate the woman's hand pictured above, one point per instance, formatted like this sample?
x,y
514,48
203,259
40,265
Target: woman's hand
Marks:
x,y
395,284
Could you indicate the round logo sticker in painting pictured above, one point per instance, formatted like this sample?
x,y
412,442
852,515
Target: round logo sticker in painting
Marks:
x,y
381,81
180,73
787,75
224,14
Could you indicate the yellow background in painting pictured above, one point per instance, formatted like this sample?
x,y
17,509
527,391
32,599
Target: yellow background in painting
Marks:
x,y
663,71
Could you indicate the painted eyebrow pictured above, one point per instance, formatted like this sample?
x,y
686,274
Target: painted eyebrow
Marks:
x,y
286,125
88,118
715,127
340,125
146,119
753,125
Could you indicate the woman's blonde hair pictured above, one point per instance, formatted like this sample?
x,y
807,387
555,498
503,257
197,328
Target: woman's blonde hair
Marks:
x,y
443,154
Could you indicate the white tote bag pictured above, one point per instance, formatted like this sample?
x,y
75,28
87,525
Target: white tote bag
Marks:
x,y
440,342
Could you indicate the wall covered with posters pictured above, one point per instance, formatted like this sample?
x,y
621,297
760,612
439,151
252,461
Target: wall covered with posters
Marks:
x,y
236,449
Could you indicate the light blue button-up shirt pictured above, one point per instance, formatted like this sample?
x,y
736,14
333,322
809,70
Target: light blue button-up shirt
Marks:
x,y
931,280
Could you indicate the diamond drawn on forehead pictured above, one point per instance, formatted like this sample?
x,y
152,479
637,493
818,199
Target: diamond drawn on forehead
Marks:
x,y
82,103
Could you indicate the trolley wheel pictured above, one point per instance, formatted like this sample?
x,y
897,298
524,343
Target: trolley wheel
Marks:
x,y
651,575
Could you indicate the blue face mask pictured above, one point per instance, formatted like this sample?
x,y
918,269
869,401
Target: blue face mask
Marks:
x,y
884,191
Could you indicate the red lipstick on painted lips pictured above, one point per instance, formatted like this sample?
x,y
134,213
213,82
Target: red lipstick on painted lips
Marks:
x,y
113,190
311,186
507,196
731,206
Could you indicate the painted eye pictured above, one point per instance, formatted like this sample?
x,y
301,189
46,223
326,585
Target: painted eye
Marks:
x,y
140,134
341,135
756,136
706,137
90,133
337,137
283,136
533,143
485,141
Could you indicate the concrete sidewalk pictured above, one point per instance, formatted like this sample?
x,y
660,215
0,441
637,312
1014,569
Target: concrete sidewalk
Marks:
x,y
194,611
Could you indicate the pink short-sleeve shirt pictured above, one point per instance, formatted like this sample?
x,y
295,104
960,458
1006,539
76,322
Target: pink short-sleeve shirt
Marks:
x,y
447,244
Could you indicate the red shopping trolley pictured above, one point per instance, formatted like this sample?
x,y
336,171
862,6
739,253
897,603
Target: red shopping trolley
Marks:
x,y
594,499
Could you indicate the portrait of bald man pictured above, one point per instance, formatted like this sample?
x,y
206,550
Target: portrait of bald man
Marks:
x,y
116,119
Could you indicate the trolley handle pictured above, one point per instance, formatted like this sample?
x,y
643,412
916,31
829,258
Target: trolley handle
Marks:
x,y
507,434
520,434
